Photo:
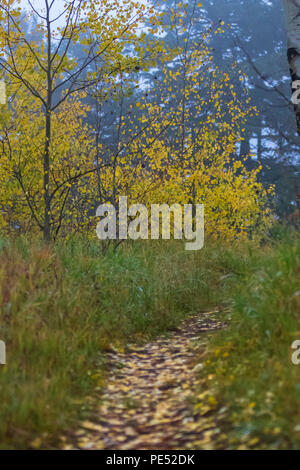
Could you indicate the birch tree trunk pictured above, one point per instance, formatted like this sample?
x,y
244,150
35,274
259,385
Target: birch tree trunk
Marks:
x,y
292,19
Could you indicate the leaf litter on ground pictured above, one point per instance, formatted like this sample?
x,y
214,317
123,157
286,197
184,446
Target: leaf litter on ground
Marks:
x,y
149,398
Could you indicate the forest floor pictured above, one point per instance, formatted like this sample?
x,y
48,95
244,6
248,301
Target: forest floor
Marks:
x,y
148,399
114,348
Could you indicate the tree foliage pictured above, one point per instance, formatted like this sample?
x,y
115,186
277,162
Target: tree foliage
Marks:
x,y
173,141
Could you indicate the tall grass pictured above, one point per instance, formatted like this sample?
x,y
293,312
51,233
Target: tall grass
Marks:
x,y
250,361
62,307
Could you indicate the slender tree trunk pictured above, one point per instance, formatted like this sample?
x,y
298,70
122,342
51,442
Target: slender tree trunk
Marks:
x,y
47,199
292,19
259,141
47,211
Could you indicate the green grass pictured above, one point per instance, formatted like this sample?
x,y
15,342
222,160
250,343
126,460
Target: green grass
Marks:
x,y
249,362
63,306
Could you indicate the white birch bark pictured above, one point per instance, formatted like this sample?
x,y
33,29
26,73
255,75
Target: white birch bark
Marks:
x,y
292,19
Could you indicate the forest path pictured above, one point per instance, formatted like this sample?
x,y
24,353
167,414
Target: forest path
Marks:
x,y
148,399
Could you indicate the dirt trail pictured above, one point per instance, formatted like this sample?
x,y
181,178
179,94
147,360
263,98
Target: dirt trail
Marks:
x,y
147,402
